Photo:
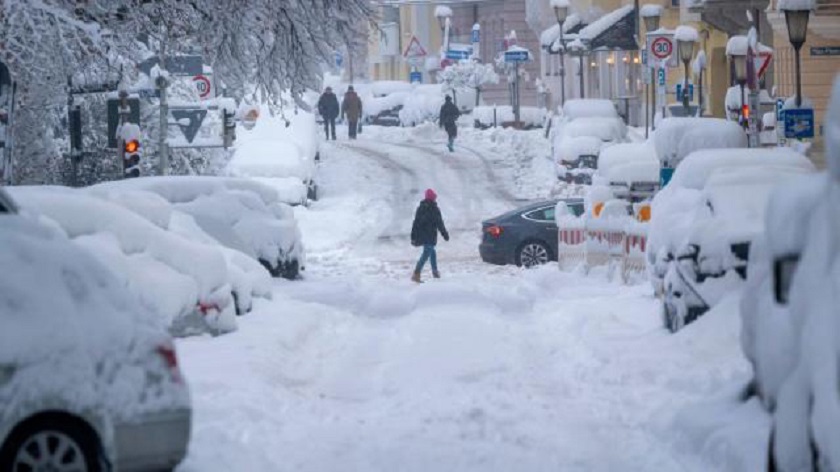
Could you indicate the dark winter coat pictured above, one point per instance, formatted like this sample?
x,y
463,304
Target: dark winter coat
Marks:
x,y
351,107
449,114
427,222
328,106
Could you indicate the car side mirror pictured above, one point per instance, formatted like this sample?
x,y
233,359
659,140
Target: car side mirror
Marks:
x,y
784,269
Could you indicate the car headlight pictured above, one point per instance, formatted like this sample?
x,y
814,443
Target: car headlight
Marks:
x,y
784,269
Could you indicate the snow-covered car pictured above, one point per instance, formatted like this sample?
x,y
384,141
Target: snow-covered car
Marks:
x,y
675,138
630,169
590,117
707,250
284,149
186,285
87,380
245,215
576,159
790,316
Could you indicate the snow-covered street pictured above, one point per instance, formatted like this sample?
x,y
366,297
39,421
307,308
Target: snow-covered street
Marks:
x,y
489,368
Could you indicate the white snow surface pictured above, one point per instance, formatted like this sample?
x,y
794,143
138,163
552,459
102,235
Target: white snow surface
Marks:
x,y
560,4
650,9
796,5
737,46
489,368
676,138
589,108
442,11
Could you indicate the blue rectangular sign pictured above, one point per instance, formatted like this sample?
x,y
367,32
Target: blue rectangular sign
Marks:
x,y
457,54
415,77
476,36
690,92
780,104
516,56
799,123
661,75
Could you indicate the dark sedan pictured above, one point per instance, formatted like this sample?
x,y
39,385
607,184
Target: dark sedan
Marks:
x,y
526,236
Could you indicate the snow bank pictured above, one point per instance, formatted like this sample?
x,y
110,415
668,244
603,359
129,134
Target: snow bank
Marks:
x,y
676,138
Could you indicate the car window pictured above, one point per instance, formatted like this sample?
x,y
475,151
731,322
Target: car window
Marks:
x,y
577,209
542,215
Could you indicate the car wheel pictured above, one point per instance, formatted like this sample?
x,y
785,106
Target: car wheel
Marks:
x,y
533,253
290,270
51,446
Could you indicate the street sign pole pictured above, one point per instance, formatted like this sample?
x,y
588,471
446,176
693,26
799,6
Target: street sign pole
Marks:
x,y
516,92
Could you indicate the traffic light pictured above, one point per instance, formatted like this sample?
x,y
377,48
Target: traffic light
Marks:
x,y
131,158
228,129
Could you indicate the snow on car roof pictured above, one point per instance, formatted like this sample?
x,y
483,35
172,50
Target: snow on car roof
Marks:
x,y
626,153
571,149
605,129
589,108
676,138
694,171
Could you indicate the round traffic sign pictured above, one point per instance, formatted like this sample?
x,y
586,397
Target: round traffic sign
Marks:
x,y
202,84
662,48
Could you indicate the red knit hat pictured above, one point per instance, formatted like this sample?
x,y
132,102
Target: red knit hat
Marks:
x,y
431,195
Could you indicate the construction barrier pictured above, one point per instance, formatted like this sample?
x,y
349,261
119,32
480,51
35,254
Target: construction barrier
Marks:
x,y
600,245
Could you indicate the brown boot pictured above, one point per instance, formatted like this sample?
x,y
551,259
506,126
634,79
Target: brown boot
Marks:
x,y
415,277
436,274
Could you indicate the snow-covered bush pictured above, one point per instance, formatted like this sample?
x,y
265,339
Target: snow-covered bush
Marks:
x,y
467,74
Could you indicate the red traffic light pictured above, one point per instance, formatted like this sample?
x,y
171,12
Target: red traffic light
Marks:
x,y
132,146
745,112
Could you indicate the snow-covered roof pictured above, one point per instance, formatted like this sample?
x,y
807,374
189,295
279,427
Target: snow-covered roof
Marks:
x,y
599,26
552,34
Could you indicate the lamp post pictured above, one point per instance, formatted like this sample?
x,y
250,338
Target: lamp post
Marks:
x,y
797,26
686,39
651,15
443,14
561,10
579,49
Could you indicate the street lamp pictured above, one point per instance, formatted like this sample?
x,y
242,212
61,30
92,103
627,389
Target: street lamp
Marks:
x,y
686,37
561,10
797,26
736,49
443,14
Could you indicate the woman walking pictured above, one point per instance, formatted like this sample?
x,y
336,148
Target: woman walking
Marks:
x,y
427,222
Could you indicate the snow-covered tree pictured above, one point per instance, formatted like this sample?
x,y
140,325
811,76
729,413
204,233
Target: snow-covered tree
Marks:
x,y
271,50
467,74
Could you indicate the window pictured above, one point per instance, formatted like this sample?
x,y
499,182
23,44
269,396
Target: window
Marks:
x,y
675,3
543,215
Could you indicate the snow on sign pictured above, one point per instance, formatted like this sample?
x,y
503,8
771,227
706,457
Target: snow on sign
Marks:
x,y
203,86
661,46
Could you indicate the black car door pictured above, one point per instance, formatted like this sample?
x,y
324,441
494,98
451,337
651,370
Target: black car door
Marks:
x,y
542,219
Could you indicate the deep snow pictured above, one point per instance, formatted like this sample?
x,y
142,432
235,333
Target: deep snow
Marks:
x,y
489,368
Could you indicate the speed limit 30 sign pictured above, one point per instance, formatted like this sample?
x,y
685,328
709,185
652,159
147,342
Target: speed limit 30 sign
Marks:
x,y
203,86
660,46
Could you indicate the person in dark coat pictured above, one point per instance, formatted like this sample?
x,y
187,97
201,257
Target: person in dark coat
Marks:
x,y
449,114
351,109
427,223
328,108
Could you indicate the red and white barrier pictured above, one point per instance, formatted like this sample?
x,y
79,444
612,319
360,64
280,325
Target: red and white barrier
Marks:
x,y
570,251
601,243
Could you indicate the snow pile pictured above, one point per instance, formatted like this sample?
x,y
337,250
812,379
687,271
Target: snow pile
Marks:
x,y
172,276
797,5
737,46
531,117
650,9
686,33
676,138
588,108
72,333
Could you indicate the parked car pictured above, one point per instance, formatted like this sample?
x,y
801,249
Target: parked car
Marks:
x,y
576,159
87,381
526,236
709,247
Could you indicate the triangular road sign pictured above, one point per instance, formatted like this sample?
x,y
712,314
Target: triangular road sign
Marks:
x,y
414,49
195,118
762,62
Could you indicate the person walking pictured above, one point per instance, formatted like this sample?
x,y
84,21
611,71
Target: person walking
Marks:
x,y
351,109
328,108
449,114
427,223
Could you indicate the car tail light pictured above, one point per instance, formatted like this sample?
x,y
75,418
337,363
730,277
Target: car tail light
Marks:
x,y
494,231
170,359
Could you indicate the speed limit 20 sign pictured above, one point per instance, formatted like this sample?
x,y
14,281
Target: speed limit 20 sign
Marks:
x,y
660,46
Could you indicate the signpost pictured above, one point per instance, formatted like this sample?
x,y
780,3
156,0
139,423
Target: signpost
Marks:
x,y
661,46
516,55
799,123
414,54
680,92
415,77
458,54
